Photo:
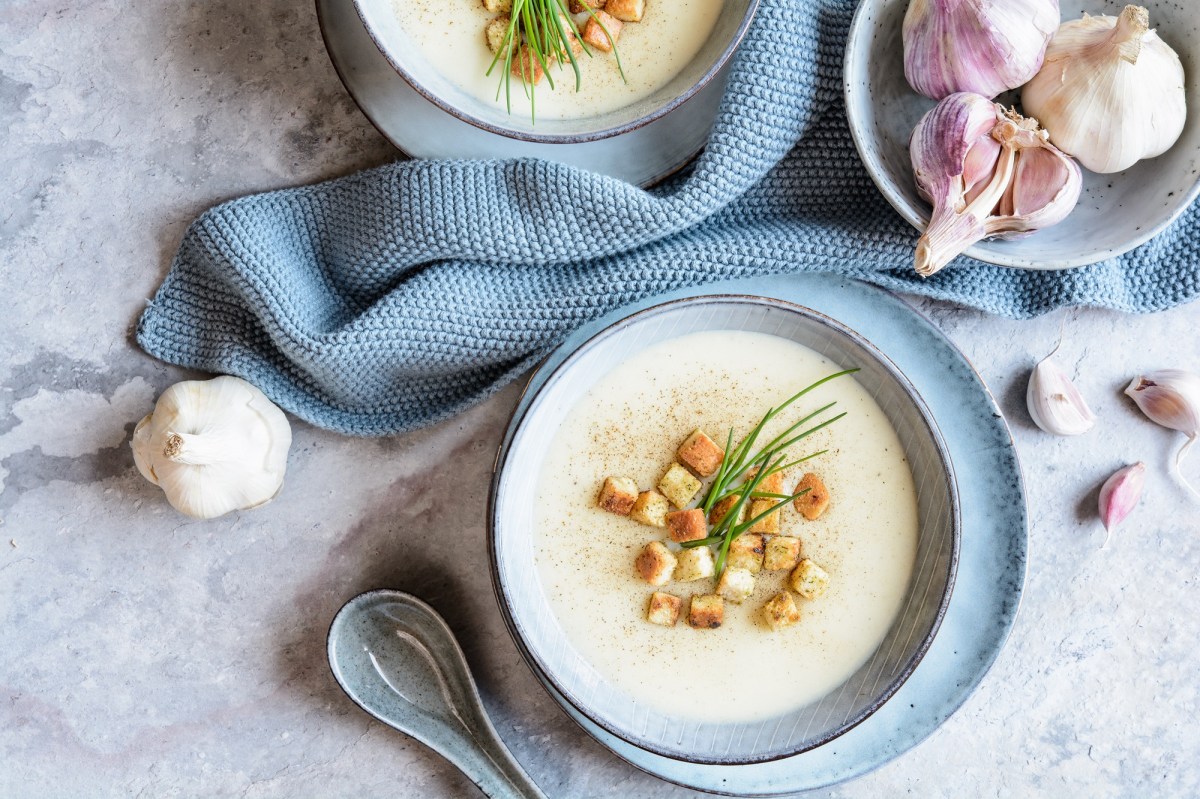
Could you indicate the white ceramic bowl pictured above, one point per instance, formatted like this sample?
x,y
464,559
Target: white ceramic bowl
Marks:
x,y
1115,213
546,645
383,26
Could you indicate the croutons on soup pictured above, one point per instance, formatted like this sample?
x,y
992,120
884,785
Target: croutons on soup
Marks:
x,y
664,609
706,612
655,563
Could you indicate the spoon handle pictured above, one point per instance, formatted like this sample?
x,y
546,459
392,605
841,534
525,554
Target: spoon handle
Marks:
x,y
485,760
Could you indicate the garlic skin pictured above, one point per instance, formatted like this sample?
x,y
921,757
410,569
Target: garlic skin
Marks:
x,y
988,173
1110,91
1171,398
981,46
1120,495
1054,402
213,446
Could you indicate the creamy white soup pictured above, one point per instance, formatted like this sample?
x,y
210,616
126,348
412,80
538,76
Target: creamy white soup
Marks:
x,y
450,35
630,424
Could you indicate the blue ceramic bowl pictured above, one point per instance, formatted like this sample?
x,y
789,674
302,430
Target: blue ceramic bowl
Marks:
x,y
379,18
543,641
1115,213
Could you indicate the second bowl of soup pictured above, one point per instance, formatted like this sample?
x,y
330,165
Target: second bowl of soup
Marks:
x,y
441,47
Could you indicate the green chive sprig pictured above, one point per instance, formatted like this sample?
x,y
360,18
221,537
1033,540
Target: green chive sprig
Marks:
x,y
547,29
765,460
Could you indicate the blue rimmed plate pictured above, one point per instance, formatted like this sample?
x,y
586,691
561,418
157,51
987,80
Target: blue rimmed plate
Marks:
x,y
991,562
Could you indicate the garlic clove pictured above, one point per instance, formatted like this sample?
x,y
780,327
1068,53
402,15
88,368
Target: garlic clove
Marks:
x,y
1171,398
1054,403
979,165
987,172
980,46
214,446
1120,495
1110,92
1040,176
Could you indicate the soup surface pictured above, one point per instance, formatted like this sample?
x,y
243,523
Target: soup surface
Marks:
x,y
630,424
450,35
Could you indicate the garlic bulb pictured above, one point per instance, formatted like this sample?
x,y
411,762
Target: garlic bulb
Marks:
x,y
1110,91
981,46
1055,403
987,172
1120,495
1171,398
213,446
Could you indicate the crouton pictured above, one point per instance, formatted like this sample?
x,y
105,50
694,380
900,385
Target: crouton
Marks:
x,y
650,508
596,33
525,65
695,563
724,506
618,495
771,484
699,452
735,584
497,6
495,32
578,6
687,525
782,553
664,609
706,612
626,10
655,563
814,503
746,552
769,524
781,611
679,486
809,580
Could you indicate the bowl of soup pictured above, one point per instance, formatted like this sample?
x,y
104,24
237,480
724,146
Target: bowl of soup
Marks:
x,y
724,528
672,50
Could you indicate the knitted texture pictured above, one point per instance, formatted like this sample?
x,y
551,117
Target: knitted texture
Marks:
x,y
394,298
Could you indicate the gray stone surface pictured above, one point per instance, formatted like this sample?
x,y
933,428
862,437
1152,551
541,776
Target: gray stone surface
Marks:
x,y
147,654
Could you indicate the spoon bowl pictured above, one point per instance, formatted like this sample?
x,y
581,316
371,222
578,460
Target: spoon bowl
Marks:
x,y
399,661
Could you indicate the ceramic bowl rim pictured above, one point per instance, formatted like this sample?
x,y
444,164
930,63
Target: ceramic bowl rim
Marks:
x,y
519,417
563,138
859,37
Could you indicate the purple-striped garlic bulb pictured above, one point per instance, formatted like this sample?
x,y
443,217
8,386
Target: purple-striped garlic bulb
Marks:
x,y
981,46
988,173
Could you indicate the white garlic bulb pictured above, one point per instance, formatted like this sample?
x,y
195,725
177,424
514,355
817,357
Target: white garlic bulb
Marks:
x,y
981,46
213,446
1110,91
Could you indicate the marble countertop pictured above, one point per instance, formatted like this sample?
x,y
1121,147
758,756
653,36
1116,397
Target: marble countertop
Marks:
x,y
148,654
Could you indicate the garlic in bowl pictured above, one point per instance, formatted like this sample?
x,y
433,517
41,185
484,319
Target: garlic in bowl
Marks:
x,y
213,446
987,172
1110,90
1115,213
975,46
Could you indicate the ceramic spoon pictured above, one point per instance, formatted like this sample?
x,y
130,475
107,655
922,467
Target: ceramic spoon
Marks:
x,y
394,656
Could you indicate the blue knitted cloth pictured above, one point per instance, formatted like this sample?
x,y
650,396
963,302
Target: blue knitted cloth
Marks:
x,y
393,298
